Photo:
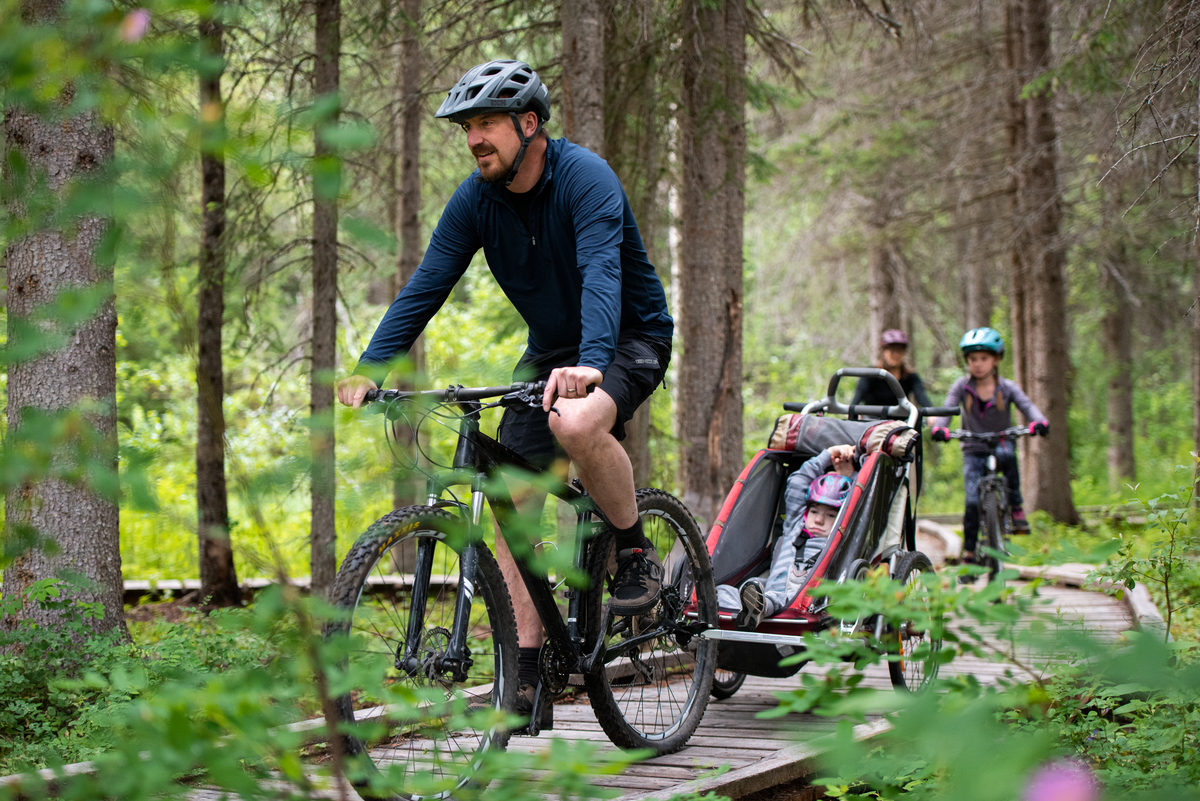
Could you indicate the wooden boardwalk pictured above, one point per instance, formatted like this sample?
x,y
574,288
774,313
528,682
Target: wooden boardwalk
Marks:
x,y
764,753
734,753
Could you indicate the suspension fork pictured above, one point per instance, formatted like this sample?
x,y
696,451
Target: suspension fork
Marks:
x,y
457,659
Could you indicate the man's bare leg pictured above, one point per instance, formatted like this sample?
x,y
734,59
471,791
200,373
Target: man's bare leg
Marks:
x,y
584,429
530,633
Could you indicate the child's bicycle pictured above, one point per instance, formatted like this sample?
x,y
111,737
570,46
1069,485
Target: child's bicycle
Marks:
x,y
993,499
447,638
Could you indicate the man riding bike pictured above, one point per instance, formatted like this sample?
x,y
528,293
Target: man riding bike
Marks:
x,y
561,240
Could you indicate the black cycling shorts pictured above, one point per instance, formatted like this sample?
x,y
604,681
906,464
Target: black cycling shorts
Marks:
x,y
636,370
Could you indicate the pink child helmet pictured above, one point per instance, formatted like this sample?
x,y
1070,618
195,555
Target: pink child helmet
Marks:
x,y
893,336
830,489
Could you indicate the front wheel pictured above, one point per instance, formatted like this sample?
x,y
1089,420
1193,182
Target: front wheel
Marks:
x,y
435,716
917,641
654,684
992,522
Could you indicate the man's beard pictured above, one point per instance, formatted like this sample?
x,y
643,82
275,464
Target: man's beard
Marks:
x,y
497,174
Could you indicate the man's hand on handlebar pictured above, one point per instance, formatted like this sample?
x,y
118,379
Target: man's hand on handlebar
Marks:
x,y
352,389
570,383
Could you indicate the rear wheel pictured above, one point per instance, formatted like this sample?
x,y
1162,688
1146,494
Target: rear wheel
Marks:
x,y
916,642
726,683
431,711
654,684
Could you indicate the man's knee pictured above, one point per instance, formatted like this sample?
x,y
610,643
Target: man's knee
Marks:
x,y
581,424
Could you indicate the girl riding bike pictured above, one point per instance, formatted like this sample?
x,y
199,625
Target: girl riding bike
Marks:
x,y
986,400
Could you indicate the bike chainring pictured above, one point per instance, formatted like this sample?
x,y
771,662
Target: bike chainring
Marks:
x,y
555,668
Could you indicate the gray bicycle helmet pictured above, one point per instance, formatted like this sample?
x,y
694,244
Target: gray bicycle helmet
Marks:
x,y
496,86
499,86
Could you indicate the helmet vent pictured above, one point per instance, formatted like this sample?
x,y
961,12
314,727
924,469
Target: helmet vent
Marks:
x,y
472,92
519,78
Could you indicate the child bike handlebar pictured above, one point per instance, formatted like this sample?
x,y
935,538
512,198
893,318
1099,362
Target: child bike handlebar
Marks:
x,y
990,437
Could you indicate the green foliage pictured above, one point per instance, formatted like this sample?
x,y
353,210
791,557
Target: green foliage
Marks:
x,y
211,703
1169,558
63,686
1128,713
1135,723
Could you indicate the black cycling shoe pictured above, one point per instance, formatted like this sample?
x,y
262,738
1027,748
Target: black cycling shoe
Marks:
x,y
637,582
968,578
754,604
524,706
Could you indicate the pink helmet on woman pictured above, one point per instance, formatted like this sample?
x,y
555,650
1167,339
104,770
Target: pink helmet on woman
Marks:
x,y
829,489
893,336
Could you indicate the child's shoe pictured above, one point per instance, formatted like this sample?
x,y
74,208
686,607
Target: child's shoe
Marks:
x,y
1019,524
754,603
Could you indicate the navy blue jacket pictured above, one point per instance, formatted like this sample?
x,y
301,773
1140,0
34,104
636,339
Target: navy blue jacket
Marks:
x,y
578,274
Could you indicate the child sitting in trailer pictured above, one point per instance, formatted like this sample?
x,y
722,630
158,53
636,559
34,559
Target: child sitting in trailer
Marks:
x,y
812,499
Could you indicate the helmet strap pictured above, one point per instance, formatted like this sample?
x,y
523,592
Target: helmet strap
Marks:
x,y
525,140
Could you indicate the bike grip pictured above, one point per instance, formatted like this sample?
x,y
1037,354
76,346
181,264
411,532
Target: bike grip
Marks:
x,y
791,406
940,411
371,396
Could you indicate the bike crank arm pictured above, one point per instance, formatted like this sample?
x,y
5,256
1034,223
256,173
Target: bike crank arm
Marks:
x,y
683,635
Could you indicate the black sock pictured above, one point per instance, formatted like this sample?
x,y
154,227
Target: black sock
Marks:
x,y
632,537
528,665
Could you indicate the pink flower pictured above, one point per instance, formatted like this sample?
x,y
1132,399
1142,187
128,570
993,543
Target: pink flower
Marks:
x,y
1065,780
135,25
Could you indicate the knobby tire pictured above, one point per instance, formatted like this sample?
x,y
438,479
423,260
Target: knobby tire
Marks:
x,y
438,740
655,696
917,644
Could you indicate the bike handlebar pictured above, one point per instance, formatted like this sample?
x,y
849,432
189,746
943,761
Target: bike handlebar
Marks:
x,y
882,411
990,436
523,393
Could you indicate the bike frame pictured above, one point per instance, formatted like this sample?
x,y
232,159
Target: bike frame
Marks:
x,y
477,459
993,482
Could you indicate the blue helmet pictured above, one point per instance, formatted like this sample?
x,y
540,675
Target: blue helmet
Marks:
x,y
984,339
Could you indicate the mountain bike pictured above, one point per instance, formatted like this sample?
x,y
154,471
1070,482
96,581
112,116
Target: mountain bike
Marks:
x,y
446,637
994,509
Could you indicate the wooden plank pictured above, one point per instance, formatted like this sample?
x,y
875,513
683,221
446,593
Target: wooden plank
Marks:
x,y
786,765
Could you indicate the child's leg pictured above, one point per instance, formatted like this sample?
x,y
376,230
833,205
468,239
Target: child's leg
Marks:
x,y
1006,462
974,468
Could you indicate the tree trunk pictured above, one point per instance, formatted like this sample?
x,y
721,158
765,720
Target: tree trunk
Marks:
x,y
326,182
1049,458
1018,349
633,146
218,579
1196,332
885,279
83,525
977,270
712,157
583,73
1118,351
409,486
